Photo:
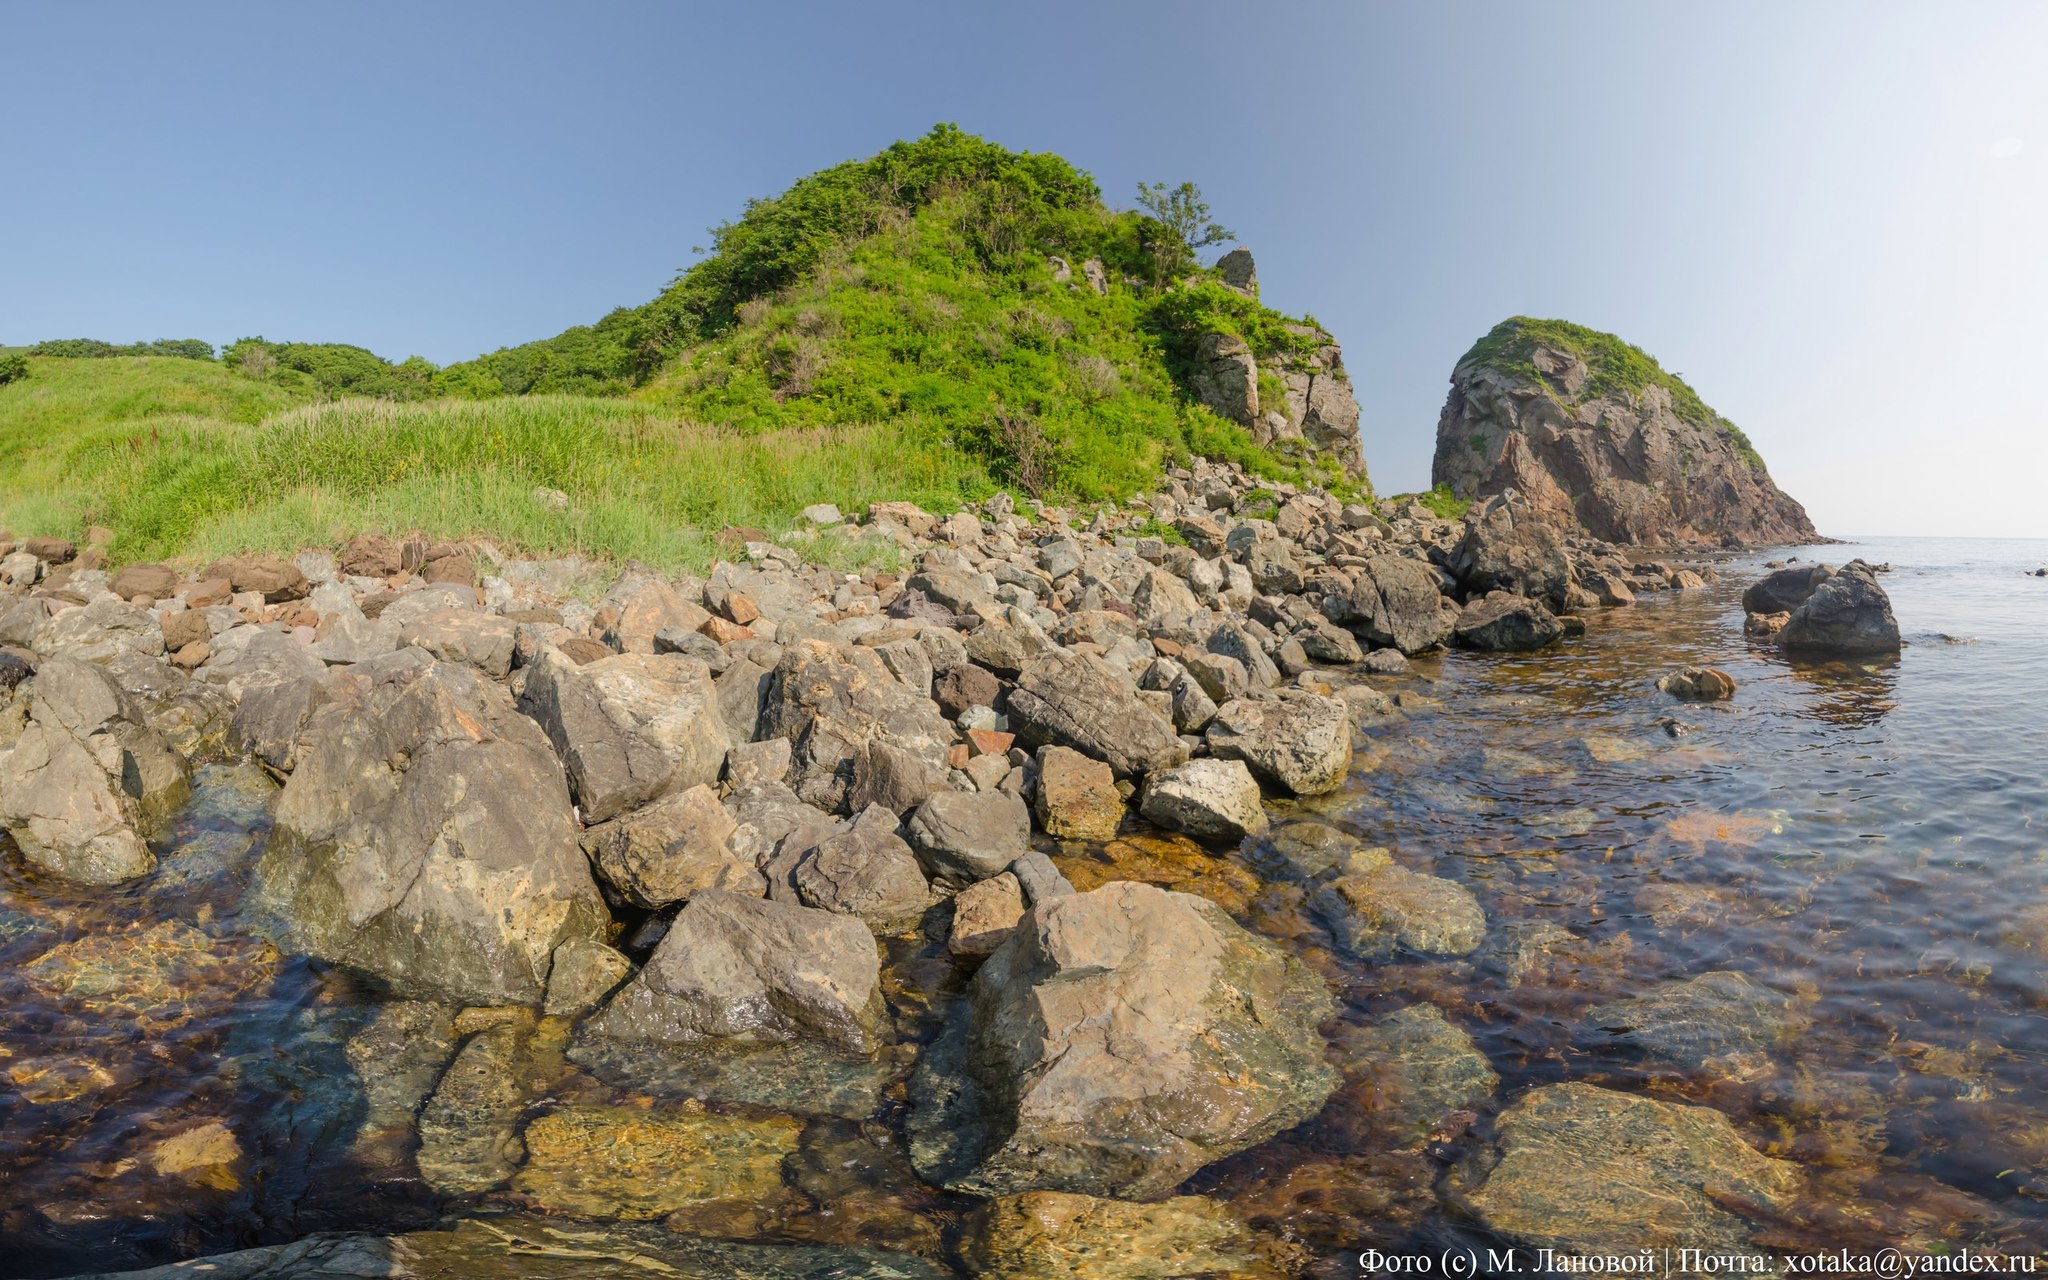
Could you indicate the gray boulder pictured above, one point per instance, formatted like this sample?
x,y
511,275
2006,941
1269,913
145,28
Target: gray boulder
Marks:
x,y
1120,1040
1847,614
865,871
102,631
1784,590
831,700
630,728
965,836
483,640
1506,623
1394,603
426,837
1209,799
1718,1018
1377,906
1301,741
1509,548
757,972
668,851
1078,700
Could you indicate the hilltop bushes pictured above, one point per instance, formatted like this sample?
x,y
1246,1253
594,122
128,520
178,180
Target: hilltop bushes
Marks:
x,y
94,349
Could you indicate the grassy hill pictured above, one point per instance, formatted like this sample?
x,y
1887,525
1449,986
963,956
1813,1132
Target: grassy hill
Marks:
x,y
917,325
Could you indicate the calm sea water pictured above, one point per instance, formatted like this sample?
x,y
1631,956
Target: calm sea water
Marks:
x,y
1869,839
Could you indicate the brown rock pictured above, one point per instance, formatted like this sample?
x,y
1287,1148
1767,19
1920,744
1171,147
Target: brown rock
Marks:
x,y
584,651
990,742
274,579
192,656
154,581
208,592
1077,796
740,608
1699,684
460,567
370,556
966,686
984,915
50,550
181,629
725,632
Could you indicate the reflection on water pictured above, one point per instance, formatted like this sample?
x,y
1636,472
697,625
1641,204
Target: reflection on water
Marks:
x,y
1864,842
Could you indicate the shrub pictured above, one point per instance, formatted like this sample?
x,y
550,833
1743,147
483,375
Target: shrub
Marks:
x,y
13,368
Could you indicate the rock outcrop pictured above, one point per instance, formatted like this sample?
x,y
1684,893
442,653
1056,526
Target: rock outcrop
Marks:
x,y
1596,436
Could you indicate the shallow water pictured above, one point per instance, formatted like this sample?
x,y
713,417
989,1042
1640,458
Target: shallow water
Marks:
x,y
1868,838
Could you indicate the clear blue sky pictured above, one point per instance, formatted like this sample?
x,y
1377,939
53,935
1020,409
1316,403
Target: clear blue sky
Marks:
x,y
1829,217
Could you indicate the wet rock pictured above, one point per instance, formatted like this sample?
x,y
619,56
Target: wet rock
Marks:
x,y
1418,1071
757,972
1312,848
662,853
1301,741
984,916
1394,602
583,974
1079,701
1506,623
865,871
154,977
633,1164
1077,797
1716,1021
1698,684
629,729
1784,590
830,701
965,836
1209,799
426,837
274,579
1119,1041
469,1128
1378,906
1847,614
397,1056
1039,1235
1587,1170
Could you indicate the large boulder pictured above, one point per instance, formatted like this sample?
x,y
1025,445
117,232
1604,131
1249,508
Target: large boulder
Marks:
x,y
830,701
1394,603
1226,377
483,640
1510,548
1077,797
1783,590
1585,1170
666,852
1847,614
1301,741
1077,700
965,836
640,607
1120,1040
1502,622
276,580
866,871
426,837
102,631
630,728
1210,799
756,972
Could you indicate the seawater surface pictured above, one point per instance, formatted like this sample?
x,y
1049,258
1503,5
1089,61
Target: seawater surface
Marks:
x,y
1868,838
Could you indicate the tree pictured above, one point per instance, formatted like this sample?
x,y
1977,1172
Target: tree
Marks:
x,y
1184,215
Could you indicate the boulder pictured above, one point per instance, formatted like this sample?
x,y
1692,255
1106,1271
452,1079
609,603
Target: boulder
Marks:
x,y
1717,1020
1078,700
1698,684
102,631
965,836
1120,1040
1506,623
1395,603
1784,590
1847,614
1301,741
865,871
484,641
1585,1170
245,656
370,555
757,972
1420,1071
426,837
1209,799
665,852
831,700
274,579
984,917
146,582
1040,1235
1510,548
630,728
1377,906
1077,797
638,608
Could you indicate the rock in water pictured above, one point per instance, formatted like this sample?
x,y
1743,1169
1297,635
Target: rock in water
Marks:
x,y
1378,906
1699,684
630,728
1593,435
754,971
1505,623
1511,548
1394,602
1213,799
1717,1019
1784,590
426,837
1120,1040
632,1164
1042,1234
1847,614
1587,1170
1301,741
1421,1069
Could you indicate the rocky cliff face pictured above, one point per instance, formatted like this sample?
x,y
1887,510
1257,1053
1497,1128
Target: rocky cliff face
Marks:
x,y
1592,432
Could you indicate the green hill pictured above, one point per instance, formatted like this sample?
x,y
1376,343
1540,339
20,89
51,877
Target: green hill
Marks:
x,y
934,323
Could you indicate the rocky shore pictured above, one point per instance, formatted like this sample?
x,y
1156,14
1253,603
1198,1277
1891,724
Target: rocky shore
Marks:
x,y
794,831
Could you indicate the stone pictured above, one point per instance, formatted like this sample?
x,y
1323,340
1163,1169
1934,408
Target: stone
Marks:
x,y
1784,590
1394,602
629,729
896,778
370,555
1585,1170
1377,906
832,700
634,1164
1698,684
583,974
1506,623
637,608
274,579
751,762
469,1128
966,685
1847,614
757,972
345,637
1719,1019
1079,701
50,550
965,836
187,626
482,640
664,852
866,871
145,581
1510,548
1039,1235
426,837
1301,741
1008,645
1418,1071
102,631
1039,878
1208,799
984,916
1120,1040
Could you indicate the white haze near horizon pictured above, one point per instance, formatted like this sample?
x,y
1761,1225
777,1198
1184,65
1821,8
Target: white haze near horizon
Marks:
x,y
1828,216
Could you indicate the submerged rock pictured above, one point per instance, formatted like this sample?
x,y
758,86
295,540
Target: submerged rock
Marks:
x,y
1698,684
469,1128
426,837
1582,1169
1119,1041
1718,1018
1378,906
634,1164
1037,1235
1417,1070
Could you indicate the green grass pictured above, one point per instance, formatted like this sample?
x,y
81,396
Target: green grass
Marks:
x,y
1440,501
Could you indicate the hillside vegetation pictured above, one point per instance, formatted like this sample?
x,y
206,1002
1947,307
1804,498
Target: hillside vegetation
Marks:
x,y
919,325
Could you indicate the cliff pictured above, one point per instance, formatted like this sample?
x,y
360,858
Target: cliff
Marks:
x,y
1593,432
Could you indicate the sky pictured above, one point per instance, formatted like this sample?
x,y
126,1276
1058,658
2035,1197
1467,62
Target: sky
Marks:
x,y
1830,218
